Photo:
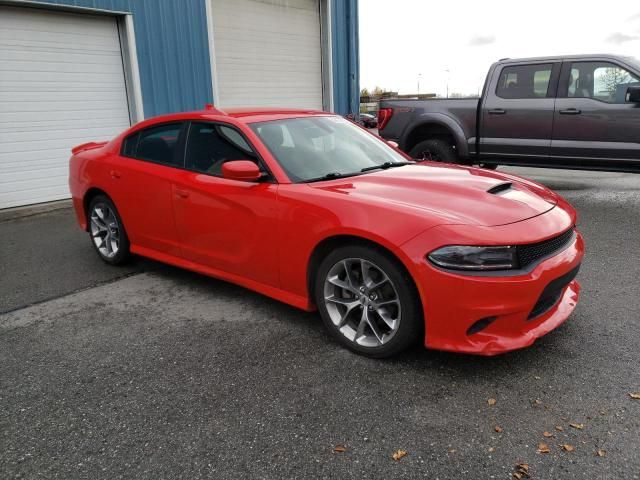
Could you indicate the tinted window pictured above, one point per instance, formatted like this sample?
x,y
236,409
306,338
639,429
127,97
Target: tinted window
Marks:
x,y
601,81
210,145
130,145
158,144
524,81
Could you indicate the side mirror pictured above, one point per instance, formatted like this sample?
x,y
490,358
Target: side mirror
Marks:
x,y
633,95
243,170
393,144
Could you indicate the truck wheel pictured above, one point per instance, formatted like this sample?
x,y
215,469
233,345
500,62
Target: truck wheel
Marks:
x,y
435,150
488,166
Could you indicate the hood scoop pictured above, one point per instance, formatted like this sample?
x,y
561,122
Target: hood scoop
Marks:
x,y
499,188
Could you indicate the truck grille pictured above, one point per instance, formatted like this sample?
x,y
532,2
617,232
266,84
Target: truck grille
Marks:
x,y
527,254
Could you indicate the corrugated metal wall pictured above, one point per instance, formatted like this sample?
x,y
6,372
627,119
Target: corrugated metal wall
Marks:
x,y
173,52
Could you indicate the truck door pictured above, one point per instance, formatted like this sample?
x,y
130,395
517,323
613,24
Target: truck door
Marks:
x,y
517,115
593,124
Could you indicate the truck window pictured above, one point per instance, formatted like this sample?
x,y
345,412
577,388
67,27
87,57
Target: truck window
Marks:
x,y
602,81
524,81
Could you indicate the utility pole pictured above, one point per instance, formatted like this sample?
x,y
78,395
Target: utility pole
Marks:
x,y
419,77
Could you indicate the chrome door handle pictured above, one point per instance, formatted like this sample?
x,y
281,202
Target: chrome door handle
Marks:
x,y
115,174
570,111
497,111
182,193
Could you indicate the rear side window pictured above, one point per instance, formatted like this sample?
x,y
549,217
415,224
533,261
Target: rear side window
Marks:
x,y
524,81
155,144
210,145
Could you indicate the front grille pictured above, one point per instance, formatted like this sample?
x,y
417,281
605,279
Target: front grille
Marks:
x,y
527,254
552,293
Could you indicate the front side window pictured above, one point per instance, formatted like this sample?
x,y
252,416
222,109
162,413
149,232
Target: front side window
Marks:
x,y
210,145
313,147
602,81
155,144
524,81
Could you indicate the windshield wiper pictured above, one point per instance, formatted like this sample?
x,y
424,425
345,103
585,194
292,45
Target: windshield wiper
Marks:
x,y
385,165
330,176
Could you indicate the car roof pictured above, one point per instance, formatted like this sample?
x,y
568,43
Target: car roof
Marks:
x,y
245,115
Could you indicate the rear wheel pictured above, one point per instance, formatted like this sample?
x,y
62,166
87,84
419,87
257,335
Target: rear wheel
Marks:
x,y
108,236
368,302
434,150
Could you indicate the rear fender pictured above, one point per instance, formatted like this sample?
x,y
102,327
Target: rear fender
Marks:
x,y
444,121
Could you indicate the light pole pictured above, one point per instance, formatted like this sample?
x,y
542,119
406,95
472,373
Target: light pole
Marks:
x,y
447,70
419,77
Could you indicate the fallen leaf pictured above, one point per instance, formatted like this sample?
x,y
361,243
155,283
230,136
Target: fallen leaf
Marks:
x,y
635,395
339,449
537,402
522,471
491,402
568,448
491,449
601,453
579,426
398,454
543,448
536,377
547,434
559,428
498,429
453,450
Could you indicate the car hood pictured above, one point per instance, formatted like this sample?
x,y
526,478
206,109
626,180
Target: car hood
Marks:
x,y
455,194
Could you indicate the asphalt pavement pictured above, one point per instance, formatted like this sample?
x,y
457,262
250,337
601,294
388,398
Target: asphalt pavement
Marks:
x,y
155,372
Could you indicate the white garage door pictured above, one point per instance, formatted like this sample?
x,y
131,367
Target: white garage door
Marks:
x,y
61,84
267,53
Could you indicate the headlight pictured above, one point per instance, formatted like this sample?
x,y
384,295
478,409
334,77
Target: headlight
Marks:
x,y
462,257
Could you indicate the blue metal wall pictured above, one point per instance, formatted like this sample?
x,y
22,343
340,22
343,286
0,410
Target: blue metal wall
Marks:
x,y
173,52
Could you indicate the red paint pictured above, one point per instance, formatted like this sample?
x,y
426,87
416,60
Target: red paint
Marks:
x,y
261,235
244,170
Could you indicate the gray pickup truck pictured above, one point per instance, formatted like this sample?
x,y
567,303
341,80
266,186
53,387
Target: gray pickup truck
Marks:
x,y
579,112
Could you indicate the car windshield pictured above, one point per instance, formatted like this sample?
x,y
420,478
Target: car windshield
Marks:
x,y
317,148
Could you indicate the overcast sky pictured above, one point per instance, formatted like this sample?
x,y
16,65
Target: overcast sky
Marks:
x,y
401,39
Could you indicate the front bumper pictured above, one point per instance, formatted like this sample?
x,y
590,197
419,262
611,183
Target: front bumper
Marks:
x,y
454,302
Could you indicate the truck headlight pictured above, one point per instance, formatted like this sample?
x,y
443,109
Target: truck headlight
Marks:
x,y
463,257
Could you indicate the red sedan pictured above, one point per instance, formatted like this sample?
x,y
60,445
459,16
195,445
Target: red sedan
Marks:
x,y
312,210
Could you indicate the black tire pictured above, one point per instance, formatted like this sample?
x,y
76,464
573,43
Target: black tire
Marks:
x,y
123,253
488,166
435,150
410,326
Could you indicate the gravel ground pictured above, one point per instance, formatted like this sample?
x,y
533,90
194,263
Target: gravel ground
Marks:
x,y
154,372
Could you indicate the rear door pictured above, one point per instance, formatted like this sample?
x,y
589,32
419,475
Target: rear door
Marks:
x,y
517,115
594,125
141,185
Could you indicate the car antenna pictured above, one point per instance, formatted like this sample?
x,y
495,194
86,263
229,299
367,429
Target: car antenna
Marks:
x,y
211,107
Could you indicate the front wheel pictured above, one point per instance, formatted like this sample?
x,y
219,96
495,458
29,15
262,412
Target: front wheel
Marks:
x,y
108,236
368,302
434,150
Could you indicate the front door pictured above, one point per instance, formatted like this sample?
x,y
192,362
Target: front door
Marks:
x,y
226,225
593,123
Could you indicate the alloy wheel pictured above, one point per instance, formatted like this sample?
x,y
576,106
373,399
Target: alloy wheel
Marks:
x,y
362,302
105,230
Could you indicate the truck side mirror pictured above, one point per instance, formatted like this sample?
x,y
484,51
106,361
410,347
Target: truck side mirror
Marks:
x,y
633,95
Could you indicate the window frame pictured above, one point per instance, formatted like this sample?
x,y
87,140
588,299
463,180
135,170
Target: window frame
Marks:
x,y
268,178
567,65
552,86
177,154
